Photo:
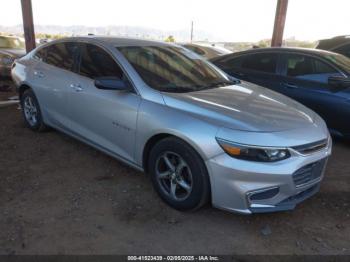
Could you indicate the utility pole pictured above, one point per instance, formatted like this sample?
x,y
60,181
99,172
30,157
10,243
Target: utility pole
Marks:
x,y
28,25
191,31
280,20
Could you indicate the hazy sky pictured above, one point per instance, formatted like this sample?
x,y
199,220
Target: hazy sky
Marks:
x,y
230,20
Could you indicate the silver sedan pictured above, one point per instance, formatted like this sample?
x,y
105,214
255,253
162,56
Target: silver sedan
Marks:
x,y
200,135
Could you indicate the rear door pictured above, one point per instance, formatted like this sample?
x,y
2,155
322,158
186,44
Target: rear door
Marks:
x,y
105,118
52,76
305,78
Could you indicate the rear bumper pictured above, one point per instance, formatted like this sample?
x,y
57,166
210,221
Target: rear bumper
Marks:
x,y
252,187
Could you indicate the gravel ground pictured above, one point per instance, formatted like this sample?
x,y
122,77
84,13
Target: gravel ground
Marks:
x,y
59,196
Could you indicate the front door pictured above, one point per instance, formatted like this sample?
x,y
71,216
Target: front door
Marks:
x,y
305,79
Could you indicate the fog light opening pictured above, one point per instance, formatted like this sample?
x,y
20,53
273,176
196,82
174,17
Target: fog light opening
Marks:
x,y
263,194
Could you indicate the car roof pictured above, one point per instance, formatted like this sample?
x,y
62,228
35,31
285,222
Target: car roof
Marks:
x,y
115,41
9,36
332,43
205,46
309,51
287,49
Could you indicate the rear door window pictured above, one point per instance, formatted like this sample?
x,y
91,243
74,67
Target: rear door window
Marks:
x,y
61,55
231,62
265,63
96,62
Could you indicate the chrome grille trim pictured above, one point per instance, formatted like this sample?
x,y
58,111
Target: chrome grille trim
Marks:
x,y
311,147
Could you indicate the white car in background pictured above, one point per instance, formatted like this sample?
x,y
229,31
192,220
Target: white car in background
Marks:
x,y
207,51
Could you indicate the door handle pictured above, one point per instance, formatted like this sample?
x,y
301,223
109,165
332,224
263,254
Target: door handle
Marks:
x,y
76,87
39,74
291,86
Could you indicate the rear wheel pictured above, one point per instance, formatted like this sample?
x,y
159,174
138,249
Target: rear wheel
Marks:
x,y
179,174
31,111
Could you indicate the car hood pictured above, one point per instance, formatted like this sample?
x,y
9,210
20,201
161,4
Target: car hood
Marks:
x,y
245,107
17,53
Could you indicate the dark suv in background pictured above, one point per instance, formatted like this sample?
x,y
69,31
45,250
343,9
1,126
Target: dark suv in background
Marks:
x,y
11,48
338,44
316,78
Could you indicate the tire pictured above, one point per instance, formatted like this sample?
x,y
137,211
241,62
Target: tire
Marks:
x,y
31,111
189,174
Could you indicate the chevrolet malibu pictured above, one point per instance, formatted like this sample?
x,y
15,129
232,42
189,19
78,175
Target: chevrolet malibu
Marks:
x,y
200,135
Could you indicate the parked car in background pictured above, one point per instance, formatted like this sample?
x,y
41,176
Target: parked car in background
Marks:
x,y
318,79
198,133
207,51
338,44
11,48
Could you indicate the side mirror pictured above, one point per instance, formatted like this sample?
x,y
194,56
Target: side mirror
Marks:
x,y
233,79
111,83
338,82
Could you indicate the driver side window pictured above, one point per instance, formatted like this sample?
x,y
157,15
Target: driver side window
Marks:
x,y
309,68
96,62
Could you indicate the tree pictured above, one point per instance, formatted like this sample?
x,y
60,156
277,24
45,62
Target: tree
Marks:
x,y
170,39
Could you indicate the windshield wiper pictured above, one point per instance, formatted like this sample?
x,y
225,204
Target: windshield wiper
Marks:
x,y
224,83
178,89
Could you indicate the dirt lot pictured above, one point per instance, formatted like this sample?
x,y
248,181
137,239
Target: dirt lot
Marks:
x,y
59,196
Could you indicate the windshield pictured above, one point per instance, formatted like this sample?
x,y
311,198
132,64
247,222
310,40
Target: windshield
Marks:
x,y
11,42
173,69
340,60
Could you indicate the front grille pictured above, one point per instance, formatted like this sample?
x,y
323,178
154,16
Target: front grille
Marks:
x,y
309,172
311,147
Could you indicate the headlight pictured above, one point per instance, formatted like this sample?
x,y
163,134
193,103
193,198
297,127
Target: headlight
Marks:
x,y
6,59
253,153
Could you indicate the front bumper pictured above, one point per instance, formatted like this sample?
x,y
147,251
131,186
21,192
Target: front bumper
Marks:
x,y
234,182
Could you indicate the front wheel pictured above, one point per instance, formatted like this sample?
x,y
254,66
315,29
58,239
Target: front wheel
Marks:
x,y
179,174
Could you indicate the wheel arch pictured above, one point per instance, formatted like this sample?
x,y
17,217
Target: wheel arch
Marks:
x,y
152,141
23,87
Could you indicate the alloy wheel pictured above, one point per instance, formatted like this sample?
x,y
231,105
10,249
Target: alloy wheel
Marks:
x,y
30,111
174,176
